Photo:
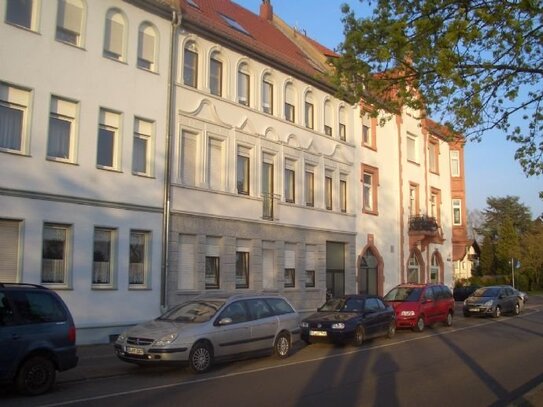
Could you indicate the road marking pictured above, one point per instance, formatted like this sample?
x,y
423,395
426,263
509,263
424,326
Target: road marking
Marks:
x,y
301,362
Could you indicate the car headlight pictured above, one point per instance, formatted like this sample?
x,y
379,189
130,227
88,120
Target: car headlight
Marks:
x,y
489,303
165,340
407,313
304,325
338,325
121,338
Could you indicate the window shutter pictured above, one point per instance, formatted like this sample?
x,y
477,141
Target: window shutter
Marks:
x,y
147,47
70,17
185,280
114,39
290,259
289,95
309,259
9,250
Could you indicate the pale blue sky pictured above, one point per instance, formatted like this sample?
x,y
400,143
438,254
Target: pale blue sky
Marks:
x,y
491,169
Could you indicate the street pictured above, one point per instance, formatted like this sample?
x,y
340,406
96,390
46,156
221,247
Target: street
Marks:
x,y
476,362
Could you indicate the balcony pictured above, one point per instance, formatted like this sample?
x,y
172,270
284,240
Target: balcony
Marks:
x,y
424,230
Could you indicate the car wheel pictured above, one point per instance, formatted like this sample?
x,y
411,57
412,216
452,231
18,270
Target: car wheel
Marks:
x,y
282,346
391,329
516,310
359,335
36,376
200,358
497,312
449,320
467,314
419,327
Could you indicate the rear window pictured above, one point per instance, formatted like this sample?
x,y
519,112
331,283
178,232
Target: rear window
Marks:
x,y
279,306
35,307
406,294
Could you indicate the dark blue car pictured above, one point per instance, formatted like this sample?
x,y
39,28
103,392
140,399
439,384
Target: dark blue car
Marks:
x,y
351,319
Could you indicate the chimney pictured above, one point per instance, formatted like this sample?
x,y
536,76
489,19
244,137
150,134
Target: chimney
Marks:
x,y
266,10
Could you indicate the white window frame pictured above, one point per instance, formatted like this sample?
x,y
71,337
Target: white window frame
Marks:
x,y
190,65
289,180
267,94
243,168
144,264
290,266
70,22
412,148
342,125
147,47
290,103
17,99
455,163
309,180
186,263
243,281
188,158
216,74
110,122
457,211
215,163
67,111
33,17
244,84
343,197
309,111
212,281
107,269
328,190
115,33
144,131
66,262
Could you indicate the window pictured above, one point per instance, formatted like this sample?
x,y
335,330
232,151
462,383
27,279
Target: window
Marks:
x,y
370,183
267,94
108,139
243,170
103,257
412,148
186,263
21,13
343,194
290,103
190,66
413,199
55,254
215,75
141,154
10,235
342,125
290,266
290,181
147,49
212,270
267,186
234,24
242,269
114,39
434,268
215,164
310,263
138,268
457,211
328,191
243,84
366,139
328,118
435,204
189,143
62,128
455,163
69,21
14,104
413,269
309,187
433,156
309,111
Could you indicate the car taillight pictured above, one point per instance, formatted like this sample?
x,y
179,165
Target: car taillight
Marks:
x,y
71,334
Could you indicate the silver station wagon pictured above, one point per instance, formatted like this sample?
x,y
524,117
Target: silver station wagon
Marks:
x,y
206,329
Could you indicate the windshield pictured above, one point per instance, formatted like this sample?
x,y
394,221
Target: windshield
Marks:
x,y
487,292
194,311
343,305
407,294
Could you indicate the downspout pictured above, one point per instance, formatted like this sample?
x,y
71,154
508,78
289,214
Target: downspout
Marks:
x,y
170,134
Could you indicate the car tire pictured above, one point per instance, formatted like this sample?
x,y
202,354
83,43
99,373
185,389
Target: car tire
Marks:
x,y
359,335
281,347
200,358
391,329
516,309
419,327
35,376
467,314
497,312
449,319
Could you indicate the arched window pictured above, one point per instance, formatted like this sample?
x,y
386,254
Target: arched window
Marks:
x,y
267,94
413,269
309,111
290,103
244,82
215,74
368,274
190,65
70,21
434,268
328,118
115,36
147,51
342,124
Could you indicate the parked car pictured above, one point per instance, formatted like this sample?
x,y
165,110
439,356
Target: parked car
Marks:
x,y
353,318
418,305
493,301
207,329
462,292
37,337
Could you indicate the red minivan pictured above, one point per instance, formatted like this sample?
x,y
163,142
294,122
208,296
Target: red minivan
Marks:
x,y
418,305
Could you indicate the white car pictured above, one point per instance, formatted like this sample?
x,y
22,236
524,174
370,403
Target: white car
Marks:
x,y
207,329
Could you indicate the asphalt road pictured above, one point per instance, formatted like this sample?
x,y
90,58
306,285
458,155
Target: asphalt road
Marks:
x,y
476,362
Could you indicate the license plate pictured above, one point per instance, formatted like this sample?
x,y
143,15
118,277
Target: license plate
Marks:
x,y
317,333
134,351
474,309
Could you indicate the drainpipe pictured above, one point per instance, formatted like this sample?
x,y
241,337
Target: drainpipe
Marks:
x,y
170,134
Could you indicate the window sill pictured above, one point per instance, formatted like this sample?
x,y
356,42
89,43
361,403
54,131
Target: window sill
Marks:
x,y
76,46
61,161
111,169
103,287
368,212
143,287
57,286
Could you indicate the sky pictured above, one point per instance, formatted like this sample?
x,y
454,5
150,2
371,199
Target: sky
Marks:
x,y
490,166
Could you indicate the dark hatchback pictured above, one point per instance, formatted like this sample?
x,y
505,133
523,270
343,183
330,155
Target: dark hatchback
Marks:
x,y
493,301
353,318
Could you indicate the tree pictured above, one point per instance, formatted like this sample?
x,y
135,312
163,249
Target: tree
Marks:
x,y
499,209
531,258
487,260
478,63
507,246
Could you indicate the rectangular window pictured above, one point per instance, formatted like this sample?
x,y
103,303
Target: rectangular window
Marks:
x,y
290,266
343,195
114,38
189,143
289,112
413,199
370,183
309,119
108,139
14,104
412,148
62,129
141,154
242,269
215,164
310,266
19,12
433,156
215,77
366,139
267,97
10,240
309,188
190,68
342,132
290,179
55,254
267,186
243,88
457,212
435,204
243,170
455,163
328,192
212,265
186,263
138,268
69,18
328,130
103,257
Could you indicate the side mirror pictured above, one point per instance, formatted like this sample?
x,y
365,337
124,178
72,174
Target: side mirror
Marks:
x,y
225,321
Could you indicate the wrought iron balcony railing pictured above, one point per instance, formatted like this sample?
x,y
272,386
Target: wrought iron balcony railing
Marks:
x,y
423,223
